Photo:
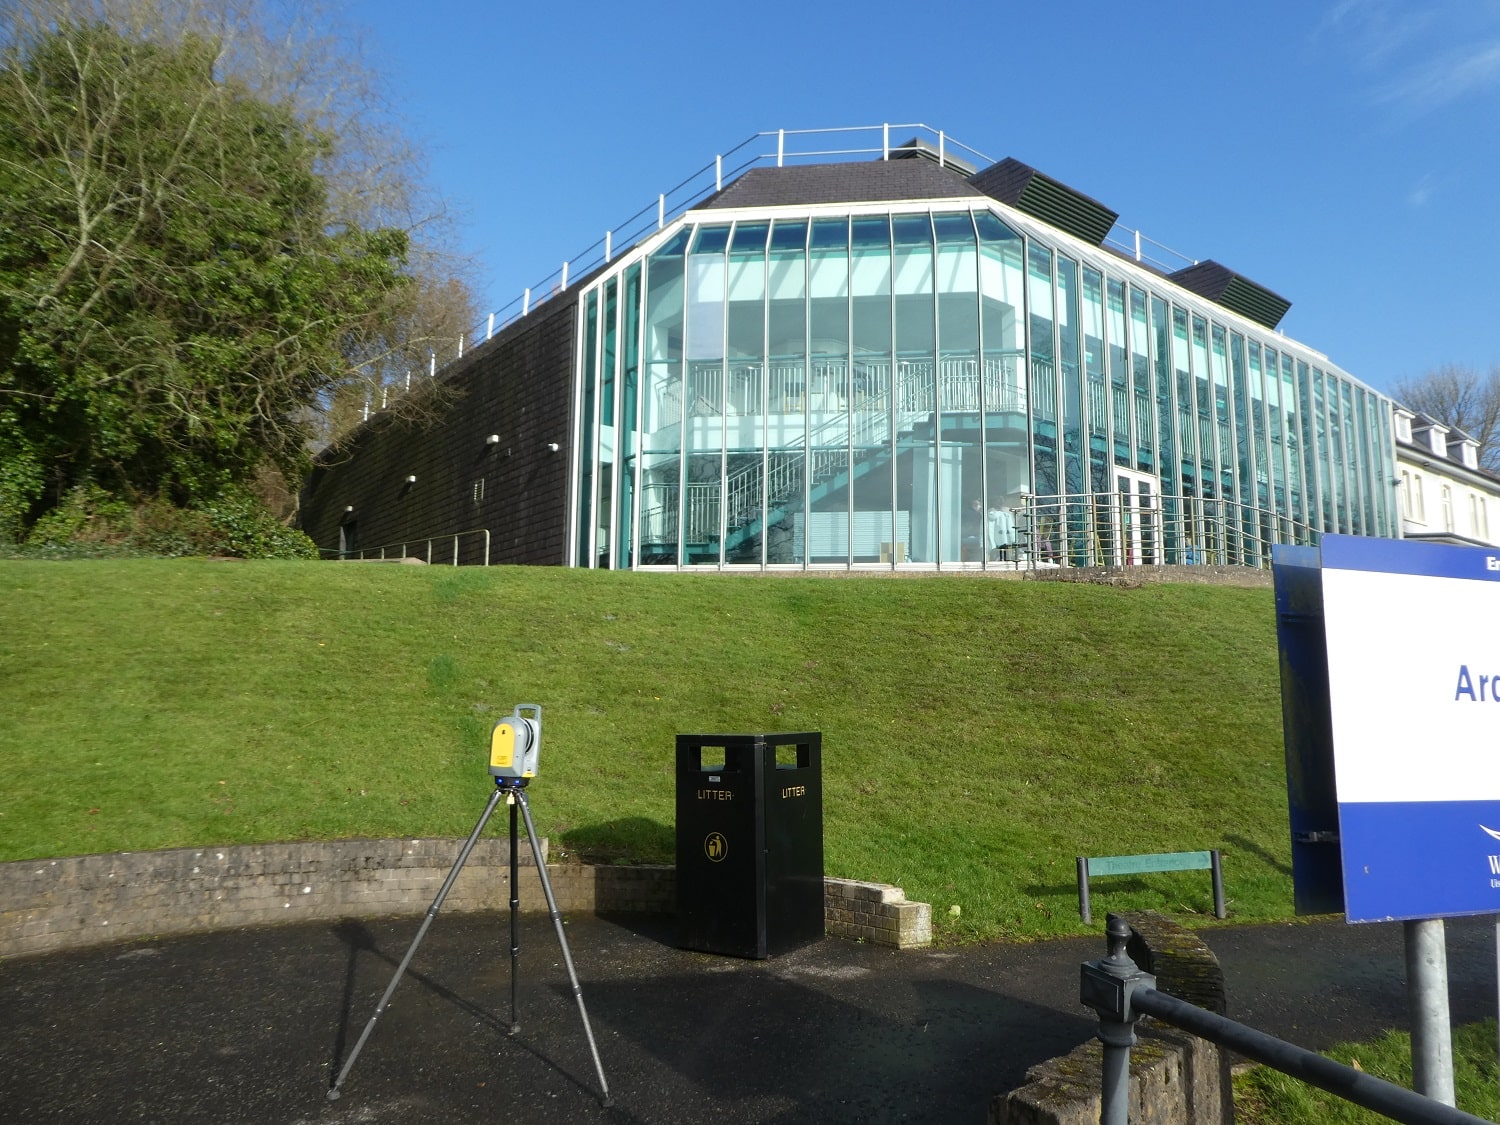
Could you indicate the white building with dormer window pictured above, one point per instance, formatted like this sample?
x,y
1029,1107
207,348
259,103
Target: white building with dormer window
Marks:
x,y
1443,493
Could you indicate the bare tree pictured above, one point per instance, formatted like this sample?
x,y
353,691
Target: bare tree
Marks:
x,y
1461,397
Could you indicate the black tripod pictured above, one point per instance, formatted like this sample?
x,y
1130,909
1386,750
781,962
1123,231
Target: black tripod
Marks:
x,y
513,789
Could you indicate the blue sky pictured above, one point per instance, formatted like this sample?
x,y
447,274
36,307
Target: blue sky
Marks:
x,y
1343,153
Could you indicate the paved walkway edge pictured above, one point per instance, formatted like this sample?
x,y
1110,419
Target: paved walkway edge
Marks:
x,y
78,901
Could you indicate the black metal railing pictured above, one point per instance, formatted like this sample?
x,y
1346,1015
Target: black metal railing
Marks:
x,y
1120,992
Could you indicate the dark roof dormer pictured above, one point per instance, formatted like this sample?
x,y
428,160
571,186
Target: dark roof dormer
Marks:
x,y
1040,196
1236,293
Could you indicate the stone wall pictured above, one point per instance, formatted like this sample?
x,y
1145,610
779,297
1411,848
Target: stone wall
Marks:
x,y
53,904
1175,1078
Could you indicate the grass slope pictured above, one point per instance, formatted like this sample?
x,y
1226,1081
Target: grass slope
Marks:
x,y
977,734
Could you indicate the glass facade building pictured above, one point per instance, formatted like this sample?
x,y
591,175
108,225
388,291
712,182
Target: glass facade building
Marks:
x,y
945,382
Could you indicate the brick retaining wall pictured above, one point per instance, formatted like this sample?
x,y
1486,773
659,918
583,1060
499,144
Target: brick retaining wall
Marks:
x,y
69,903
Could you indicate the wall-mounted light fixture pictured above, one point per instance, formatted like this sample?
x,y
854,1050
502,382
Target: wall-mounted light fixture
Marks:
x,y
493,439
412,479
348,508
552,446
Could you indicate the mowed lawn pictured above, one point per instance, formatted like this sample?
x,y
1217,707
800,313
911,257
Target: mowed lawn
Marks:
x,y
977,734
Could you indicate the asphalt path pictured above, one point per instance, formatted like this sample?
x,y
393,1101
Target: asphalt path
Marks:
x,y
253,1025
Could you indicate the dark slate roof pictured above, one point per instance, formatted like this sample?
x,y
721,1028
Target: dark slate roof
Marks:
x,y
1223,286
869,181
1042,197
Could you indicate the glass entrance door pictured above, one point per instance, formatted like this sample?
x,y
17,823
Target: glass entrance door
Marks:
x,y
1136,519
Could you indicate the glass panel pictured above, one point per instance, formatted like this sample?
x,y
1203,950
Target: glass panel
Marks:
x,y
1301,475
866,503
789,234
604,504
1171,483
1043,390
787,372
745,394
661,428
1097,398
750,238
1074,522
587,437
821,513
1118,360
1244,429
1140,376
1007,457
954,228
916,398
629,407
960,385
703,500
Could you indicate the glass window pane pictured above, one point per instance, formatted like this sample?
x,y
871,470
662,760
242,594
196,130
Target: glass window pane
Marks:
x,y
789,234
750,238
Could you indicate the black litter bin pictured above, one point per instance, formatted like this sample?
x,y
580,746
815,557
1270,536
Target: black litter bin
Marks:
x,y
749,842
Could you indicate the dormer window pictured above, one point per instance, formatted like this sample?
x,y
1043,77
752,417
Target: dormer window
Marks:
x,y
1468,454
1403,426
1437,438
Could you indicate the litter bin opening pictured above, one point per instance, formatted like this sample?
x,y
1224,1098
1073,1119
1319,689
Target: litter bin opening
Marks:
x,y
722,759
793,756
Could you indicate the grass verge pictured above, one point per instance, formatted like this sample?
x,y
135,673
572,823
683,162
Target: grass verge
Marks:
x,y
1263,1096
978,734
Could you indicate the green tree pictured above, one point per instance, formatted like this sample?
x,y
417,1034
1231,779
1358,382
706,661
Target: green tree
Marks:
x,y
189,271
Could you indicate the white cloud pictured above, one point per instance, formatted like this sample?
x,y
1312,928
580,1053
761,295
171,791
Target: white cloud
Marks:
x,y
1424,190
1420,57
1439,81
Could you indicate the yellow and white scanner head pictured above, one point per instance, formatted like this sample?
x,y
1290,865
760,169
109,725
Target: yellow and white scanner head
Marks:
x,y
515,742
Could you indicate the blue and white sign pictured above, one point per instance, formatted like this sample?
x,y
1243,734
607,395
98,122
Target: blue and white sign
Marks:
x,y
1413,636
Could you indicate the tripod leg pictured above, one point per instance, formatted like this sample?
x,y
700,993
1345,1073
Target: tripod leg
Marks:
x,y
333,1092
515,908
562,940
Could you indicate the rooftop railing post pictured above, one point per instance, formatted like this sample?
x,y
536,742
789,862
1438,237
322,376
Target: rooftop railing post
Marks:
x,y
780,146
718,173
491,332
565,275
661,211
609,244
885,141
526,303
942,150
1107,986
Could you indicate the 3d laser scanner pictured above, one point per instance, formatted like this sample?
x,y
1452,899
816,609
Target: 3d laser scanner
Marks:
x,y
516,741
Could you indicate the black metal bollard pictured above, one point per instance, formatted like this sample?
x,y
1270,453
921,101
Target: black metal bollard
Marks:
x,y
1107,986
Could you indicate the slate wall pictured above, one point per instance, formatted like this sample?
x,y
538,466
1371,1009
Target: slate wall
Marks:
x,y
517,386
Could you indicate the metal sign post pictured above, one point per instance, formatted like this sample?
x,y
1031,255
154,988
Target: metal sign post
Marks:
x,y
514,745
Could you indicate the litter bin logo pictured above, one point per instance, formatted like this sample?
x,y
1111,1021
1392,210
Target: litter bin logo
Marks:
x,y
715,846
